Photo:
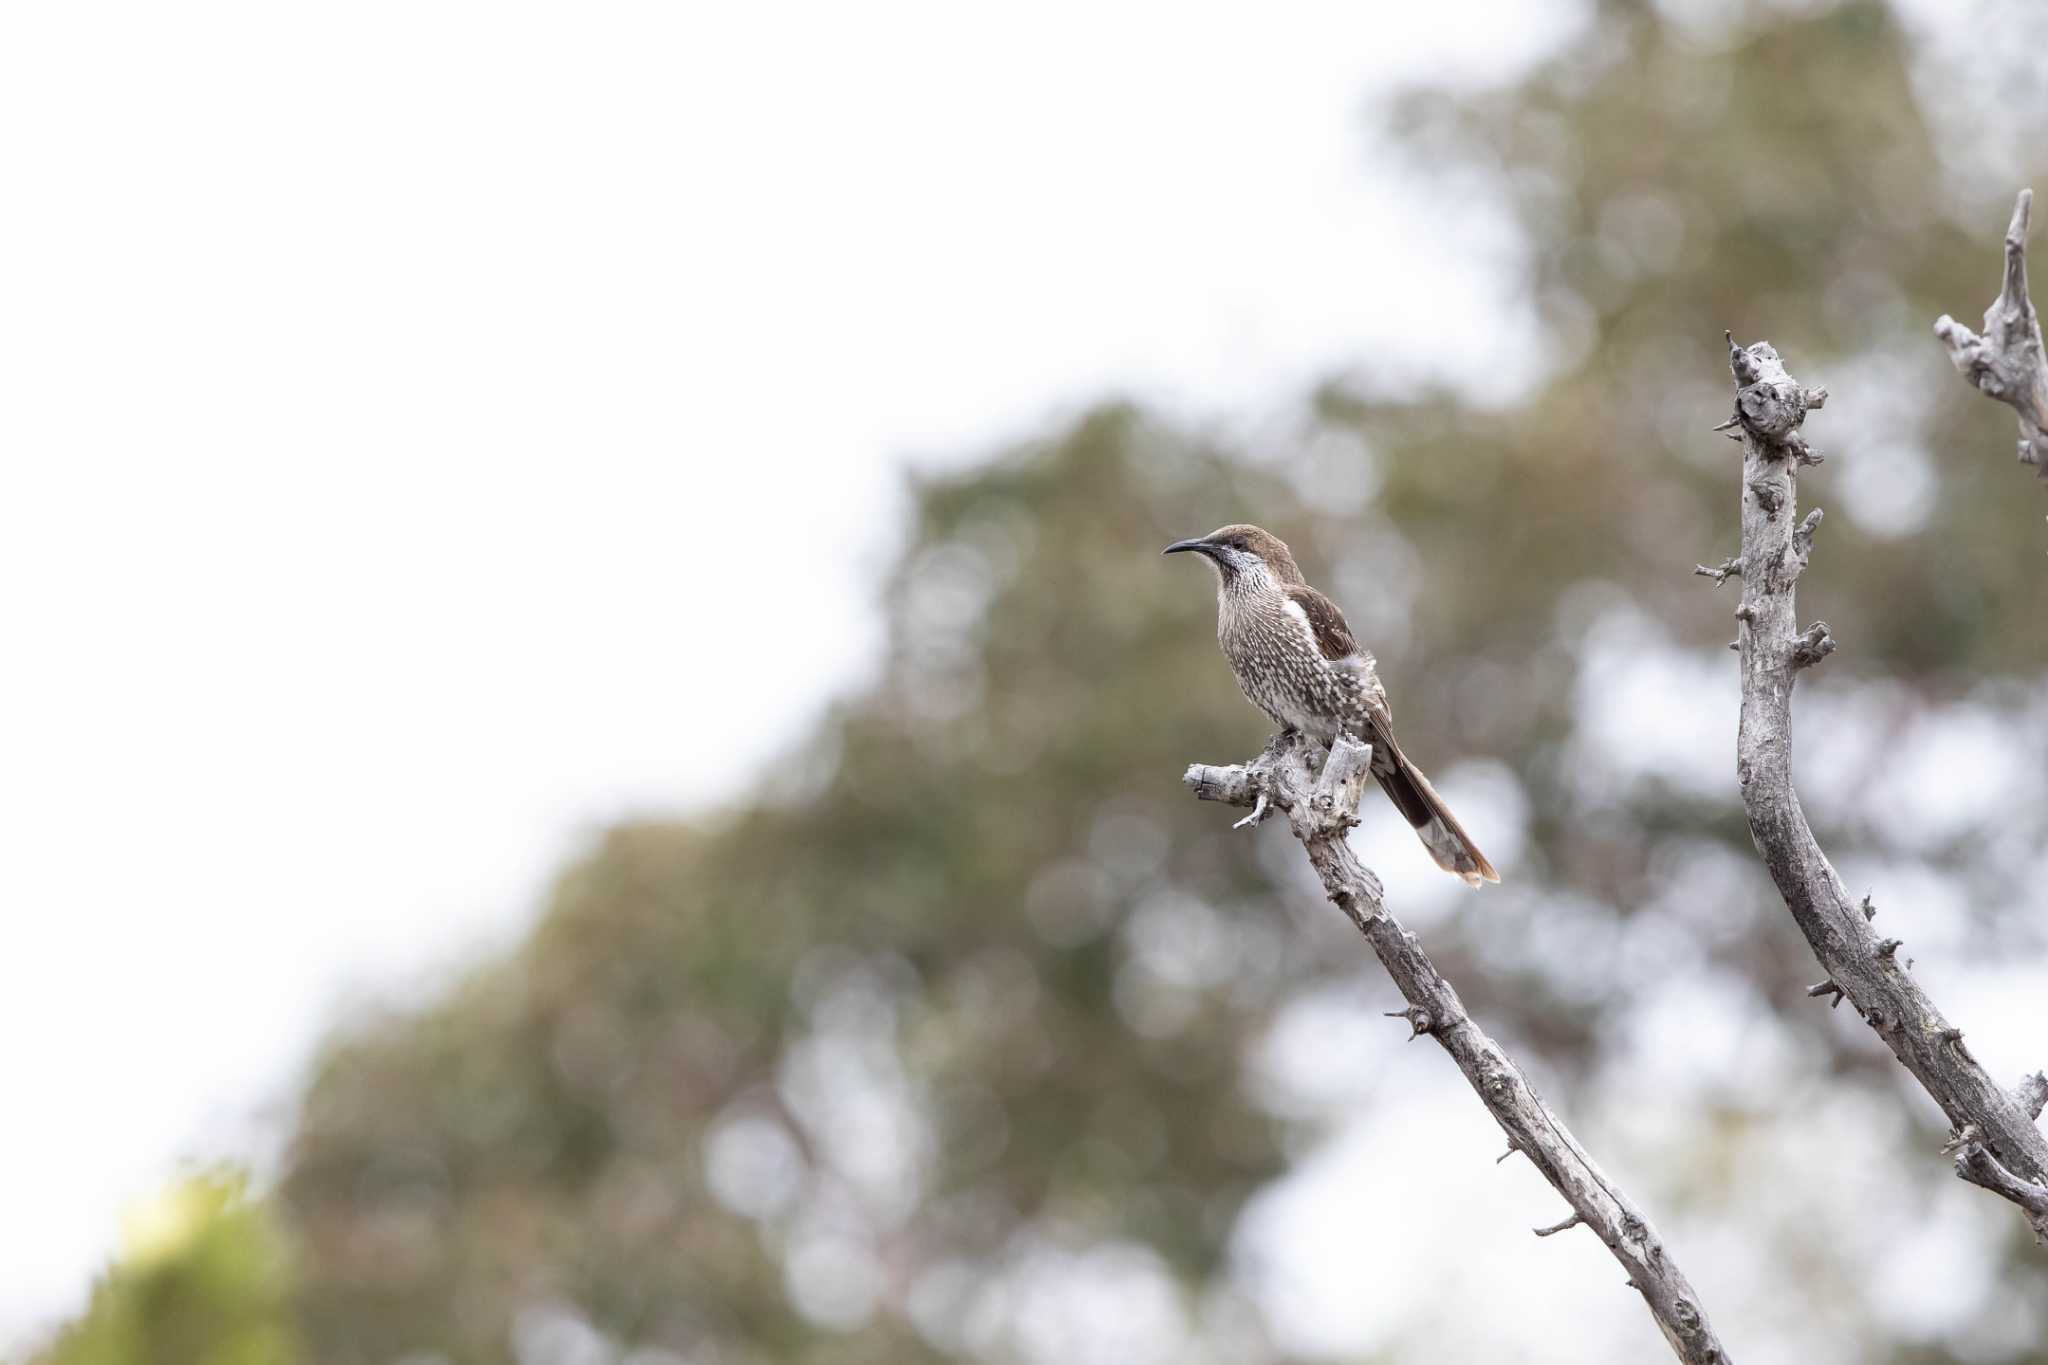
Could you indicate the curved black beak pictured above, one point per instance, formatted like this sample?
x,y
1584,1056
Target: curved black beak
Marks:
x,y
1198,545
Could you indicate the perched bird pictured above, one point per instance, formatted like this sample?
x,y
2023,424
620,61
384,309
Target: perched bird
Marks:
x,y
1295,658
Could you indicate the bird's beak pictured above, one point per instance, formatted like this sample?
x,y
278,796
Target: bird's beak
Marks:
x,y
1199,546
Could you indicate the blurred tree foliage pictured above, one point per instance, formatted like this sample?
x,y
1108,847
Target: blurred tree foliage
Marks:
x,y
957,1009
204,1279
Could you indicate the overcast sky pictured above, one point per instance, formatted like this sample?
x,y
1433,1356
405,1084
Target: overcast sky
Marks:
x,y
408,409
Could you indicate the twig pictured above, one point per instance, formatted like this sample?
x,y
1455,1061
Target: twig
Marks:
x,y
1320,806
1258,814
1820,988
2006,362
1859,965
1721,573
1976,1164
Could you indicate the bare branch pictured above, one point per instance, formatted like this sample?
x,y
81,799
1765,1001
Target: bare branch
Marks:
x,y
1727,569
1571,1221
2006,362
1321,805
1858,964
1820,988
1976,1164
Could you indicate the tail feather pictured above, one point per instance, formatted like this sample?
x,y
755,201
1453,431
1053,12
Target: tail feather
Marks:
x,y
1438,829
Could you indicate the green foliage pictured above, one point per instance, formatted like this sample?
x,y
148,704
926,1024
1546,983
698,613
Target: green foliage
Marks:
x,y
204,1279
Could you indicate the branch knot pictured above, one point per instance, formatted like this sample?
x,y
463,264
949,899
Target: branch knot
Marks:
x,y
1812,645
1418,1019
1801,549
1769,403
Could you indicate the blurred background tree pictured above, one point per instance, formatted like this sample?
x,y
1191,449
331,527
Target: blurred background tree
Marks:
x,y
966,1035
204,1276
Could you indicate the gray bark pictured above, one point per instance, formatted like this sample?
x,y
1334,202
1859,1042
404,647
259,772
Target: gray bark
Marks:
x,y
1994,1137
2006,362
1321,806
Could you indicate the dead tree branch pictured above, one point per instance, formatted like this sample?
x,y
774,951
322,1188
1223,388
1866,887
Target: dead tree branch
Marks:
x,y
2006,362
1321,806
2033,1093
1770,406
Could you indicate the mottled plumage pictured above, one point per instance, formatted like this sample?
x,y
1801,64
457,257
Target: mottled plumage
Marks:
x,y
1297,661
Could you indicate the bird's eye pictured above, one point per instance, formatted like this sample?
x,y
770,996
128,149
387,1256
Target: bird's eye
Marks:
x,y
1238,543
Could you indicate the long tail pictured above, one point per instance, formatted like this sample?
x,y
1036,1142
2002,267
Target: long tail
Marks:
x,y
1438,829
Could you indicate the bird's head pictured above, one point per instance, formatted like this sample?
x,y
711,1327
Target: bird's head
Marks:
x,y
1244,556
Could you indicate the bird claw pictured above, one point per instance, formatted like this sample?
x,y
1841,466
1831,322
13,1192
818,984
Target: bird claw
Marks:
x,y
1258,813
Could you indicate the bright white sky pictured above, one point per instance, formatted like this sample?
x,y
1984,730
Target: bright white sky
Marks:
x,y
413,415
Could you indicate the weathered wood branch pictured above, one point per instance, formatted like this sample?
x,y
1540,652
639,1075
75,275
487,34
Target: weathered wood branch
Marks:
x,y
2033,1093
2006,362
1321,805
1976,1164
1770,406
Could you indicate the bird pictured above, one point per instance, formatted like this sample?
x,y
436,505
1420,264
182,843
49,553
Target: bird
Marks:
x,y
1296,660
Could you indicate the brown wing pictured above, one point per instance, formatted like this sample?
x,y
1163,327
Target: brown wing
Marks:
x,y
1404,783
1333,637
